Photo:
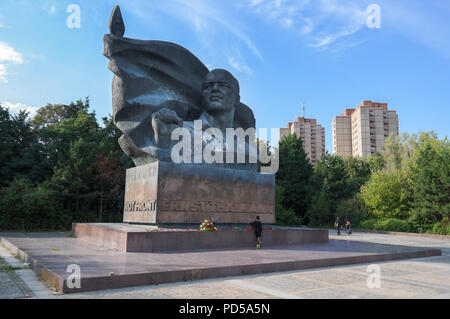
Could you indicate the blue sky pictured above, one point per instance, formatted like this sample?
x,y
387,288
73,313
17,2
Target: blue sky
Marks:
x,y
283,52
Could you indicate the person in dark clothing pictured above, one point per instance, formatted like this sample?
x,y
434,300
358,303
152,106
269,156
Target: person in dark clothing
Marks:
x,y
338,225
257,226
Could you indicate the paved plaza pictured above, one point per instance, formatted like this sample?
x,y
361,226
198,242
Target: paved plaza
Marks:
x,y
412,278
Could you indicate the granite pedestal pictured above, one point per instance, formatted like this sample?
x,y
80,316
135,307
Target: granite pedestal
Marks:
x,y
167,193
141,238
50,255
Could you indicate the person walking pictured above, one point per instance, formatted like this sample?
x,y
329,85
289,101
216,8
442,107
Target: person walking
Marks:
x,y
257,226
347,227
338,225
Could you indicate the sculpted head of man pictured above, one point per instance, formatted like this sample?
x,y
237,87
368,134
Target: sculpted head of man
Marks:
x,y
220,92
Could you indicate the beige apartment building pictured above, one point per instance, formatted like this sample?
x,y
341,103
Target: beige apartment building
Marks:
x,y
312,135
362,131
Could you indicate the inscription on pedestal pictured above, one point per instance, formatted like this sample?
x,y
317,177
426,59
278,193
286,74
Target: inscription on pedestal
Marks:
x,y
213,207
140,206
165,193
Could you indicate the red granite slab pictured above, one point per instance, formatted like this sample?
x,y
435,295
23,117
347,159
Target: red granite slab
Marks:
x,y
139,238
50,254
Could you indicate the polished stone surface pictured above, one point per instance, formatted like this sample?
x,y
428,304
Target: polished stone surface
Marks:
x,y
50,254
141,238
167,193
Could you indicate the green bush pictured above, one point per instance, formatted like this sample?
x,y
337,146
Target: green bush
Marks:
x,y
368,224
389,224
320,212
441,228
24,207
352,209
387,195
393,224
285,216
421,220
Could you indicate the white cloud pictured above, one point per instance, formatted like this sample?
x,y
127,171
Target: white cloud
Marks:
x,y
203,16
8,55
15,108
237,62
308,27
223,38
210,22
319,22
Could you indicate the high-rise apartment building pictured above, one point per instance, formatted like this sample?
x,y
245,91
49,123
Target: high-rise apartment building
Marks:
x,y
312,135
362,131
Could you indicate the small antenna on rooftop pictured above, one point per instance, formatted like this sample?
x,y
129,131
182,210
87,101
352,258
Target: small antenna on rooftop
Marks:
x,y
303,107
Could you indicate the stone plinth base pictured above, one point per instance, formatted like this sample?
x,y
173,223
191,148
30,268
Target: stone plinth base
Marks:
x,y
106,269
139,238
167,193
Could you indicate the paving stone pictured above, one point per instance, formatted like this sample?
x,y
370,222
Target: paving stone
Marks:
x,y
11,286
438,278
418,278
289,283
339,293
332,277
400,290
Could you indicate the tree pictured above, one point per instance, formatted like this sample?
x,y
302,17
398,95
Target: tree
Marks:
x,y
358,172
52,114
60,167
284,216
399,151
332,184
6,146
430,178
295,175
376,162
392,153
388,195
353,209
20,151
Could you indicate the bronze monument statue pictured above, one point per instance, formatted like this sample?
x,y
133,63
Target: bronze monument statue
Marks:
x,y
159,89
160,86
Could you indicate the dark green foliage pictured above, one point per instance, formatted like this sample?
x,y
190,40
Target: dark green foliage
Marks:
x,y
430,178
26,207
321,211
60,168
405,188
441,228
332,184
353,209
295,175
389,224
358,173
284,216
21,154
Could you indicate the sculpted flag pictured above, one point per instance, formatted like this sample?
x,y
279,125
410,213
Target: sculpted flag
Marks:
x,y
148,76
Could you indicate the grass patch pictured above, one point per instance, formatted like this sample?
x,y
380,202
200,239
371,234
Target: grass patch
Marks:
x,y
9,268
